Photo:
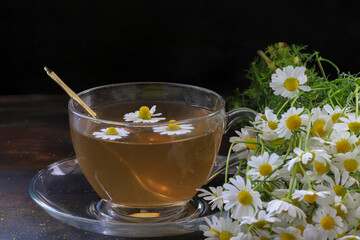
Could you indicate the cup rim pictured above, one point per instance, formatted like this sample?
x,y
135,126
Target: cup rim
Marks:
x,y
212,113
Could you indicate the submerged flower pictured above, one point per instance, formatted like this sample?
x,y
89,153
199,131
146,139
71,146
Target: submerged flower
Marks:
x,y
174,129
111,133
240,198
288,81
144,115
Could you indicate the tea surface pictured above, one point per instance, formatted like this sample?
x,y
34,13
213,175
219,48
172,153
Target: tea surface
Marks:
x,y
146,168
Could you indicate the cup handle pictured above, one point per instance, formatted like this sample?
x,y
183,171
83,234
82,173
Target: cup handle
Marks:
x,y
231,117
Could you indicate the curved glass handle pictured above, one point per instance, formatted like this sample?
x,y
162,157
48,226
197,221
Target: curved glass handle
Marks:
x,y
232,117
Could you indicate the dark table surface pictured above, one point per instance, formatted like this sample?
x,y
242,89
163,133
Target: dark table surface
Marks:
x,y
34,133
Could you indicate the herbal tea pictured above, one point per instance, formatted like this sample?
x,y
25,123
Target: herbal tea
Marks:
x,y
148,166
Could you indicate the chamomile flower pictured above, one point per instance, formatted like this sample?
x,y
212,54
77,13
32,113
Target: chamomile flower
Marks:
x,y
287,233
144,115
311,233
335,113
349,161
111,133
294,119
174,129
214,197
351,122
261,220
350,237
319,155
240,198
268,120
343,142
220,228
263,165
284,206
245,236
288,81
321,122
327,223
310,196
246,135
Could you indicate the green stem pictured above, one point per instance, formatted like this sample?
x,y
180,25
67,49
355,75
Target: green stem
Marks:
x,y
306,176
308,130
318,60
292,181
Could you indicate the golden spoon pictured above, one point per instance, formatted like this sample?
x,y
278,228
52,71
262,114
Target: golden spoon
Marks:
x,y
69,91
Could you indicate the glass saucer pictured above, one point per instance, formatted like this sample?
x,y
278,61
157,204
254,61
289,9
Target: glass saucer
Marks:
x,y
63,192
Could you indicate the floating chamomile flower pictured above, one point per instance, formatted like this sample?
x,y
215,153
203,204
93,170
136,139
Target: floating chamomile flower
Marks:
x,y
144,115
240,198
174,129
111,133
288,81
328,223
263,165
294,119
220,228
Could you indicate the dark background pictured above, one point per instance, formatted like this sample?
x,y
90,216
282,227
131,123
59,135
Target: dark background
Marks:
x,y
206,43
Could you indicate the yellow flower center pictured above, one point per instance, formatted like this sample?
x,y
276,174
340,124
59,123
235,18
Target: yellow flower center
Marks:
x,y
225,235
249,145
354,127
301,228
273,125
343,146
327,223
173,126
339,190
291,84
318,128
310,198
265,169
339,212
245,198
293,122
260,224
214,230
351,165
287,236
336,116
321,168
144,113
111,131
264,238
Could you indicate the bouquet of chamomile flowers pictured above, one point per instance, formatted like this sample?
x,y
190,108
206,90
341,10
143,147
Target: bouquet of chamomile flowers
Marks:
x,y
300,177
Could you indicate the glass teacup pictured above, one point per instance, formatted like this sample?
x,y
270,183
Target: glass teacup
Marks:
x,y
150,147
